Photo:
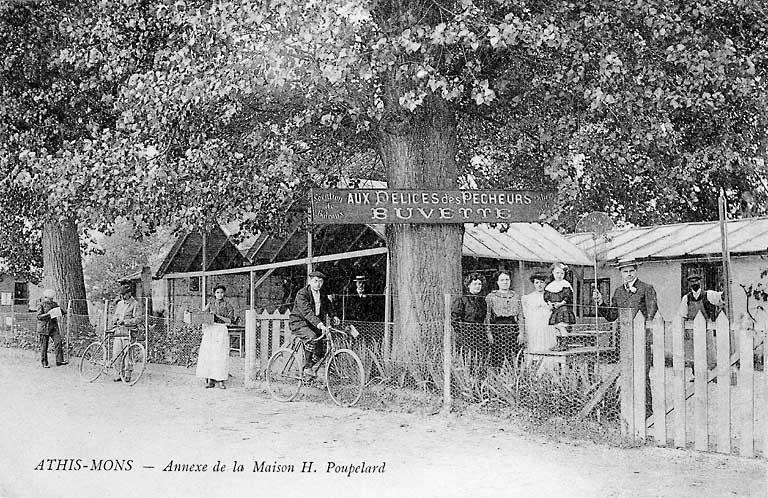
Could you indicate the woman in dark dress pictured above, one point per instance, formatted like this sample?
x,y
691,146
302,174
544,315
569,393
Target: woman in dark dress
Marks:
x,y
468,314
559,296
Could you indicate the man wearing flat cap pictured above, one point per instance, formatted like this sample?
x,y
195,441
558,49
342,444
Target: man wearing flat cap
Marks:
x,y
124,321
695,301
698,300
636,295
307,319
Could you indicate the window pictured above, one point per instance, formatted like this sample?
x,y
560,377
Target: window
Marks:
x,y
587,307
194,284
21,293
711,273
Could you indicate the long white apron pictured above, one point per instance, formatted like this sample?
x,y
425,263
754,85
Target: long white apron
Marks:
x,y
213,357
541,336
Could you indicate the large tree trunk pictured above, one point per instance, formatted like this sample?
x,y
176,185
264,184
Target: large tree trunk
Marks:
x,y
420,152
62,264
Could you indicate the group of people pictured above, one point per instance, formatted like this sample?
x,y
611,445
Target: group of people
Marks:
x,y
125,320
497,325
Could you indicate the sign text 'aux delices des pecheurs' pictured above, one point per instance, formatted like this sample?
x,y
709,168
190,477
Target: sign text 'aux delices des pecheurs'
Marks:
x,y
341,206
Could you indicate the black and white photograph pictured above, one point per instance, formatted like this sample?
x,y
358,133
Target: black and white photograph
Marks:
x,y
383,248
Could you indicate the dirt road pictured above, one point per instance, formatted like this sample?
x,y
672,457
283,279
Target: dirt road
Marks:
x,y
50,419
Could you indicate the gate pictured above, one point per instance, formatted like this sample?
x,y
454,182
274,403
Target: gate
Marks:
x,y
719,406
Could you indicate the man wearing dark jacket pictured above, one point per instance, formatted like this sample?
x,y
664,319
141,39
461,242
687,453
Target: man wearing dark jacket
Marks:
x,y
48,328
637,296
307,319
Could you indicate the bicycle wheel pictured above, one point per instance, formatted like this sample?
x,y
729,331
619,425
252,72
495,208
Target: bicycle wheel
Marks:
x,y
134,363
93,361
284,370
344,377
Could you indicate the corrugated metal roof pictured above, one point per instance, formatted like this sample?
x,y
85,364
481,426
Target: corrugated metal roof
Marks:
x,y
745,236
522,242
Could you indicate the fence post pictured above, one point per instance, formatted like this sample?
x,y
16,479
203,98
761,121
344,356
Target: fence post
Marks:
x,y
723,391
447,355
678,389
746,383
639,362
700,434
264,353
106,316
249,376
146,326
69,319
659,383
626,348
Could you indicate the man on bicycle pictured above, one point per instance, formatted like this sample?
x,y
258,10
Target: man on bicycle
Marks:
x,y
310,309
125,321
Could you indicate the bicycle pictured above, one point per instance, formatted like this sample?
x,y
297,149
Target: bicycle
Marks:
x,y
344,374
94,362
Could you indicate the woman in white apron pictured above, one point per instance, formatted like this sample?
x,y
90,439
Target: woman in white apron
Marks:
x,y
541,336
213,356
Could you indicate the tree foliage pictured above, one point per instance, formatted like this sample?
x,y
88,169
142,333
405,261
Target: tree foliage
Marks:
x,y
184,113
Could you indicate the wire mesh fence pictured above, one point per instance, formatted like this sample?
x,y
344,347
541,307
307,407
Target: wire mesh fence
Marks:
x,y
522,361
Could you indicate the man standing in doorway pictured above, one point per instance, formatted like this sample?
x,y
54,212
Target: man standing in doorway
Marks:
x,y
636,295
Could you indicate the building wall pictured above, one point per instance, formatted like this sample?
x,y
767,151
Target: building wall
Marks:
x,y
665,276
7,288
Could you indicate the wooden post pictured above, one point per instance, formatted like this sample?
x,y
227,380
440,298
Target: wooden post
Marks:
x,y
251,372
678,383
277,333
387,311
106,315
447,361
700,435
658,386
146,324
309,250
69,319
264,351
203,280
726,254
723,414
252,302
746,389
638,339
627,373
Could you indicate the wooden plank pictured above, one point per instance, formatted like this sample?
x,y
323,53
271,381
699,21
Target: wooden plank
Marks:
x,y
765,387
282,264
659,389
746,388
613,374
627,374
286,333
276,336
250,348
678,382
723,405
264,350
638,339
700,440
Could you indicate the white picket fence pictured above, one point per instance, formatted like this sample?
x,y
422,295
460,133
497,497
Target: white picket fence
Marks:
x,y
722,409
272,331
